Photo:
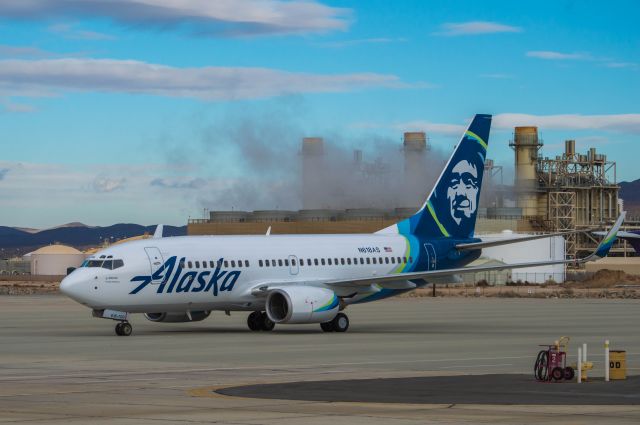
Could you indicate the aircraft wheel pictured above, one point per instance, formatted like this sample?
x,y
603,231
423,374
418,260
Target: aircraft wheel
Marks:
x,y
119,329
266,324
326,326
253,321
340,323
126,329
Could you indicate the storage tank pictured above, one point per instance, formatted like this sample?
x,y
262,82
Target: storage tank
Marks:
x,y
54,260
526,145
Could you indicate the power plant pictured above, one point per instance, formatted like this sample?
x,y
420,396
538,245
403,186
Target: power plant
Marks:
x,y
568,192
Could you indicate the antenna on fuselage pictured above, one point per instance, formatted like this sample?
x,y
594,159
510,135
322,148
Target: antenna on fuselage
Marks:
x,y
268,231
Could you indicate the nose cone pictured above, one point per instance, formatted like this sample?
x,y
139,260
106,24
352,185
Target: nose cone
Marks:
x,y
75,287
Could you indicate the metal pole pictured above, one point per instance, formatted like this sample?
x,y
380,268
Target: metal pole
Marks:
x,y
584,352
579,371
606,360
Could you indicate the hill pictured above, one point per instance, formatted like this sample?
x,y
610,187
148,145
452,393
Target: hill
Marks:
x,y
18,242
630,192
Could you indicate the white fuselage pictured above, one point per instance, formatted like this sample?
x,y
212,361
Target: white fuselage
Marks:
x,y
220,272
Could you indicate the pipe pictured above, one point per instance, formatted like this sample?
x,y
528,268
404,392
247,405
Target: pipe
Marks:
x,y
606,360
579,374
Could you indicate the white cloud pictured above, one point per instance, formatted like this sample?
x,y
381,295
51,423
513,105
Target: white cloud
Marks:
x,y
626,123
201,17
104,184
551,55
20,108
69,31
475,27
621,65
210,83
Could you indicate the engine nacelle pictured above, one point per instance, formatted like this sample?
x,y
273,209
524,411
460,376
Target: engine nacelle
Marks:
x,y
302,304
196,316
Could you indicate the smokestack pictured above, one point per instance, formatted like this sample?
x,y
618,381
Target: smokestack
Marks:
x,y
526,146
415,147
569,148
312,166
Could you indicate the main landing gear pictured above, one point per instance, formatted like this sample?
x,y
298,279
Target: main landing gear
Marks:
x,y
259,321
124,329
340,323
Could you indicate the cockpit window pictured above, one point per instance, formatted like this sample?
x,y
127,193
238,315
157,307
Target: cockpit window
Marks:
x,y
105,264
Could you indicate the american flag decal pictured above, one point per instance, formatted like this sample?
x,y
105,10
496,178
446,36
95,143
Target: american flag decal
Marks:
x,y
387,249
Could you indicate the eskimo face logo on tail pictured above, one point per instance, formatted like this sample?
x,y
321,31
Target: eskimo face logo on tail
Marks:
x,y
463,191
170,278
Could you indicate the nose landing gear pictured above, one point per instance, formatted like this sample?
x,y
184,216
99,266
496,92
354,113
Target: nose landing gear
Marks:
x,y
124,329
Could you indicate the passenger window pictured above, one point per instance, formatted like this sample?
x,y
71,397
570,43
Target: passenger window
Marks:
x,y
393,260
368,260
233,263
404,260
342,261
286,262
329,261
246,263
293,261
226,264
335,261
322,261
349,261
108,264
211,264
181,264
259,263
315,260
399,260
386,260
273,263
410,259
197,264
117,264
220,262
266,263
190,264
280,263
361,260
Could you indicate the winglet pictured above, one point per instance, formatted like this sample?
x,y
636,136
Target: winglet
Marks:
x,y
158,233
609,239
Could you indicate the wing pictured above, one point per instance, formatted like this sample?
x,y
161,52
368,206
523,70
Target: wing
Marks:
x,y
601,251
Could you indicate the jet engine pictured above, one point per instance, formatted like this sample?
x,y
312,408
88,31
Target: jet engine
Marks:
x,y
196,316
302,304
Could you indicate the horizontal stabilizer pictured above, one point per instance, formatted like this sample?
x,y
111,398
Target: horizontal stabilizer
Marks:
x,y
488,244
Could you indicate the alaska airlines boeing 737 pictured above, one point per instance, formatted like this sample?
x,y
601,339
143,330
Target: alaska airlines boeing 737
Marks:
x,y
288,279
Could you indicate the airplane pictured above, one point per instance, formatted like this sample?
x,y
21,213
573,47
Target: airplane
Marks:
x,y
301,279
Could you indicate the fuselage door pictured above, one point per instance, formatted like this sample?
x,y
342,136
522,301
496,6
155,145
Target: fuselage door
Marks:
x,y
431,256
155,262
294,267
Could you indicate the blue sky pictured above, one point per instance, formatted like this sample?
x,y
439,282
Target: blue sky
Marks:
x,y
134,111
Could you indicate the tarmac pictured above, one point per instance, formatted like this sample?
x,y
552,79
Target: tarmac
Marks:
x,y
60,365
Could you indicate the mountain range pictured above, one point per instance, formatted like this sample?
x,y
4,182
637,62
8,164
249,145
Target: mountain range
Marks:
x,y
630,192
17,241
